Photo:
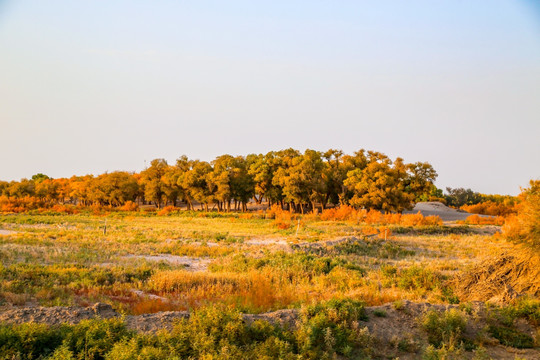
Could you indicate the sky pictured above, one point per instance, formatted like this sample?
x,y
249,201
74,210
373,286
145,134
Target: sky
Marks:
x,y
96,86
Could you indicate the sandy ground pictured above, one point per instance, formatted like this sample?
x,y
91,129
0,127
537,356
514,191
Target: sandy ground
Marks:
x,y
6,232
439,209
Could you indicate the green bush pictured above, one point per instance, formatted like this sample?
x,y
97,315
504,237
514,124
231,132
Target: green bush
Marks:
x,y
444,328
332,328
510,336
92,339
29,341
216,332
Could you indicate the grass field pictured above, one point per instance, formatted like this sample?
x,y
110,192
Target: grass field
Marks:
x,y
145,263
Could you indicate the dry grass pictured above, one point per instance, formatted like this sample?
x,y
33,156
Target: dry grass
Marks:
x,y
72,255
502,277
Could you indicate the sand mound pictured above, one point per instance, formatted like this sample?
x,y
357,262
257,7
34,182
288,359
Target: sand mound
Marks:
x,y
503,278
435,208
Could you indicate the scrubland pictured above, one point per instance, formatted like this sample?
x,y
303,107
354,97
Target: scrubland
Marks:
x,y
330,266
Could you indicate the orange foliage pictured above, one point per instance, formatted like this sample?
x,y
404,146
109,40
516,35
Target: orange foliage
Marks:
x,y
342,213
168,210
490,208
129,206
348,213
480,220
66,209
282,219
420,220
22,204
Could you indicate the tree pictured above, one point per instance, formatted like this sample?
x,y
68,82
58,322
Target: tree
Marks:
x,y
195,181
379,185
420,179
21,188
151,178
242,183
81,189
460,196
115,188
46,189
40,177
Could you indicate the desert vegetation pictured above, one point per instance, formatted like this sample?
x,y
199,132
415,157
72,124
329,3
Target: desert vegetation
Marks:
x,y
299,182
358,278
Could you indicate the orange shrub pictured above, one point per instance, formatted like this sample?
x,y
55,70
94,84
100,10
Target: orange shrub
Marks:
x,y
129,206
276,212
282,225
348,213
22,204
490,208
420,220
167,210
374,217
342,213
479,220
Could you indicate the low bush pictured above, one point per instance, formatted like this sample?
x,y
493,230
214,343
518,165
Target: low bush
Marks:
x,y
444,328
510,336
333,328
480,220
215,332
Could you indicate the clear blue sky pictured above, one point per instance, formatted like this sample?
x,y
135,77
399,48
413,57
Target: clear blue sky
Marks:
x,y
95,86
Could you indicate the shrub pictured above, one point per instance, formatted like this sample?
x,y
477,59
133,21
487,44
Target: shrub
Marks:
x,y
29,341
129,206
168,210
480,220
92,339
490,208
332,328
509,336
524,228
444,328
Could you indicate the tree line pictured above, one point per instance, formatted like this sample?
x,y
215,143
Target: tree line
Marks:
x,y
300,182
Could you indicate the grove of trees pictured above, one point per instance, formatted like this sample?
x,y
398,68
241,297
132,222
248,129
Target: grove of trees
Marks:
x,y
300,182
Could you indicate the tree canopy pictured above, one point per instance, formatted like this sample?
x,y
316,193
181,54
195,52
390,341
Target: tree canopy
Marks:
x,y
297,181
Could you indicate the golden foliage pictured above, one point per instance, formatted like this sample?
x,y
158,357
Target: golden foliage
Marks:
x,y
525,226
480,220
129,206
490,208
348,213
